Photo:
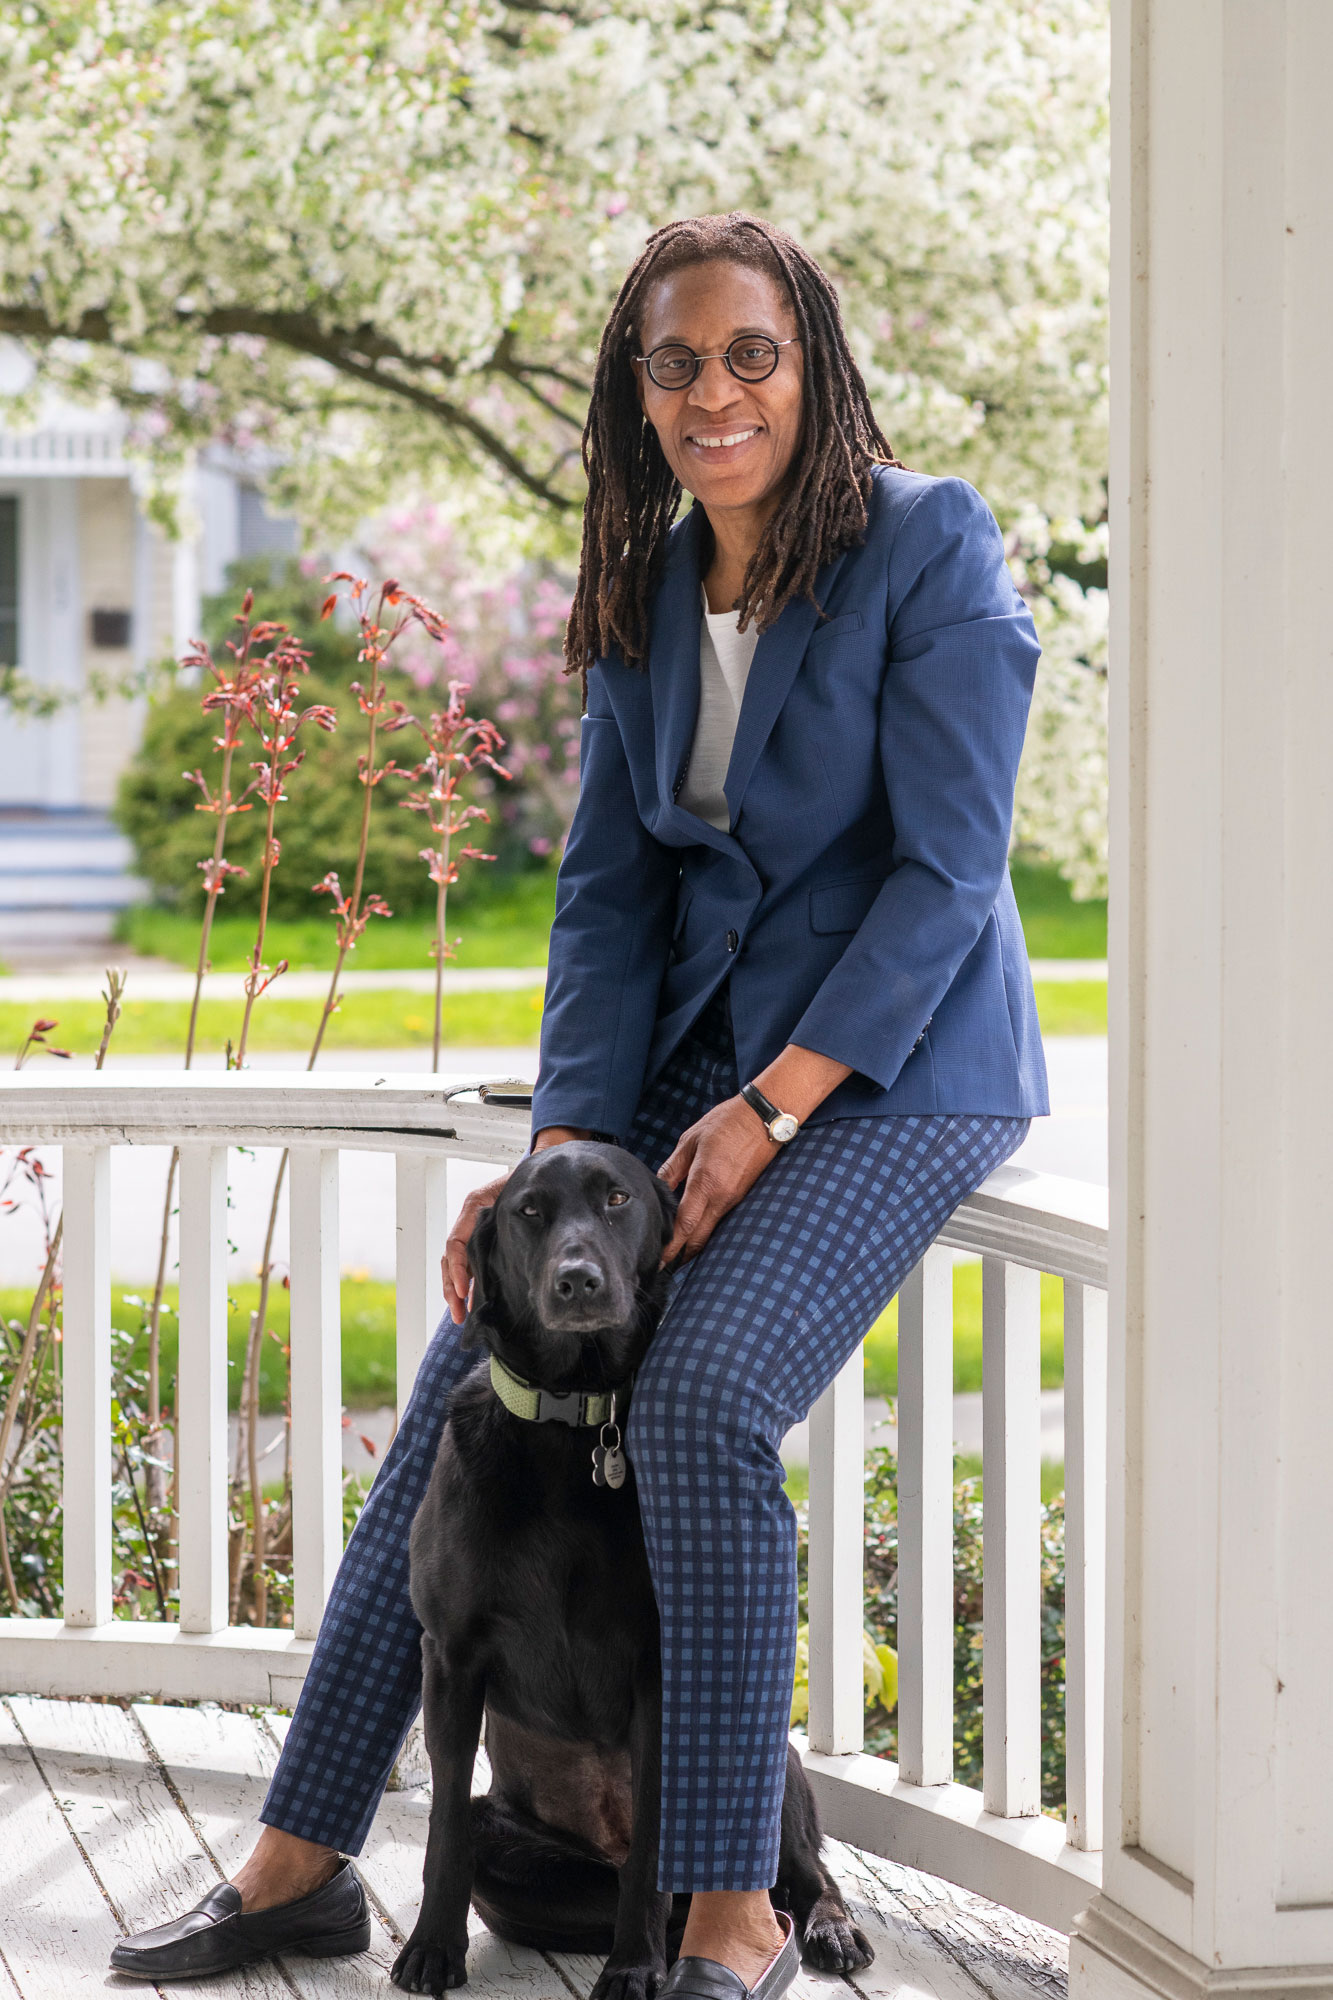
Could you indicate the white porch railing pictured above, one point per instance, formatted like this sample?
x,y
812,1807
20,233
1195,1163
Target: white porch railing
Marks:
x,y
995,1841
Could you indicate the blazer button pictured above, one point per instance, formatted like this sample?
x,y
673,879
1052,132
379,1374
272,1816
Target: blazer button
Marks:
x,y
732,940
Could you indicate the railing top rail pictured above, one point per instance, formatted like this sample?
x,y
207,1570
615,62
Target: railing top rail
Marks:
x,y
1045,1221
366,1111
1041,1220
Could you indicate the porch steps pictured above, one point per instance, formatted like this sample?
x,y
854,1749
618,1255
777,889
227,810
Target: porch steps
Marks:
x,y
64,877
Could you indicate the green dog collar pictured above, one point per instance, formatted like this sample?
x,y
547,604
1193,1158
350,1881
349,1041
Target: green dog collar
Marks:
x,y
588,1408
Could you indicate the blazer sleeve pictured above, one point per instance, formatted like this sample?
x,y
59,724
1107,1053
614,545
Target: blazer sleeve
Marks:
x,y
614,910
962,660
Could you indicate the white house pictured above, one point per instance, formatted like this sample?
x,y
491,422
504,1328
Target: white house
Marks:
x,y
91,591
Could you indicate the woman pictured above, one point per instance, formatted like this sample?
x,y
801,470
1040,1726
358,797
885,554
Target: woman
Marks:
x,y
786,970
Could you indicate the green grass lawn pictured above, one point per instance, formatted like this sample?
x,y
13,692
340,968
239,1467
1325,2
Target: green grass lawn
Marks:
x,y
881,1348
1054,925
1073,1007
389,1020
507,921
967,1465
368,1342
368,1337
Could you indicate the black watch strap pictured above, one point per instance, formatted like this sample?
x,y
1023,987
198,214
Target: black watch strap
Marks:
x,y
786,1125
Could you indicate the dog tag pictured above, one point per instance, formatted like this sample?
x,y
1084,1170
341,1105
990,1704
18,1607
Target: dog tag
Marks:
x,y
608,1465
608,1460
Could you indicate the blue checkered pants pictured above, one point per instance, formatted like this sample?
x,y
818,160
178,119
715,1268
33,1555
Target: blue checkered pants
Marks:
x,y
756,1328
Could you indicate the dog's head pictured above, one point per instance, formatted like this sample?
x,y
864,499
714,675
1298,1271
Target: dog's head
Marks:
x,y
567,1285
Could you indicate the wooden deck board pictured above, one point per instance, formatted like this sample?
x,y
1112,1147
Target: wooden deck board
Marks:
x,y
909,1961
1010,1957
138,1843
112,1820
56,1927
220,1763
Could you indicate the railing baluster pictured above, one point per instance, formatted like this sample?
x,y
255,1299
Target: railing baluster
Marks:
x,y
837,1531
1085,1559
85,1371
316,1384
1011,1547
925,1522
201,1389
423,1198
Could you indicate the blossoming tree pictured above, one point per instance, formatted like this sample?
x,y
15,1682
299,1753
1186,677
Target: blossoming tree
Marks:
x,y
380,239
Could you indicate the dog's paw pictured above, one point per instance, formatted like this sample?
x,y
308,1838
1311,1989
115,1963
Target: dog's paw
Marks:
x,y
832,1943
426,1966
628,1982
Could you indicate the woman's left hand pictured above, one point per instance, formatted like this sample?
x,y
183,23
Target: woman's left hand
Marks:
x,y
716,1162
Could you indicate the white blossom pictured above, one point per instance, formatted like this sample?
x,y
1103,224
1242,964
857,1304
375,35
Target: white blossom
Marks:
x,y
379,241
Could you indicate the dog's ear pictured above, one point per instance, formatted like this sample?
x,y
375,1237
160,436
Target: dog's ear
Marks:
x,y
480,1256
668,1199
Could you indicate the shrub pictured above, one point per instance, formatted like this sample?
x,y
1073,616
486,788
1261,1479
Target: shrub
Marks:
x,y
881,1619
506,641
156,806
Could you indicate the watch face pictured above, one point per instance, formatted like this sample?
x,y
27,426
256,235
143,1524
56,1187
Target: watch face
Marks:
x,y
784,1127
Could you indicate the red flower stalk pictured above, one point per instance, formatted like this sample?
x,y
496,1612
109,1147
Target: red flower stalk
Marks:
x,y
271,707
457,744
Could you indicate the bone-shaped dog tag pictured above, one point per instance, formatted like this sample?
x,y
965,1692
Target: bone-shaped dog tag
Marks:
x,y
608,1460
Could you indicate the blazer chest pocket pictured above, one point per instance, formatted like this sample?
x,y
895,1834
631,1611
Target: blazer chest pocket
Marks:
x,y
841,906
850,621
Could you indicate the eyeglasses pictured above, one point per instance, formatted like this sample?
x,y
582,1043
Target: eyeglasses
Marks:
x,y
751,358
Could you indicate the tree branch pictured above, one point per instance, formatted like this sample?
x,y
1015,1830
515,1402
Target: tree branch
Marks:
x,y
353,352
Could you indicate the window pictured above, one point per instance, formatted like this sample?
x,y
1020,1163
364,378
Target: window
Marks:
x,y
9,580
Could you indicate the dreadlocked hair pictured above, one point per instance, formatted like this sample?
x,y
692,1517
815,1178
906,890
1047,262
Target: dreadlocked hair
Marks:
x,y
633,493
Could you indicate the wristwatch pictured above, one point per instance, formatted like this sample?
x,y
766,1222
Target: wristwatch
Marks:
x,y
779,1125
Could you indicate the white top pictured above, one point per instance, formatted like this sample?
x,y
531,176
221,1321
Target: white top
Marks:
x,y
725,654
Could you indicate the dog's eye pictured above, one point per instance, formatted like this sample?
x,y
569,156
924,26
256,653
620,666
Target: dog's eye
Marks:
x,y
616,1198
529,1208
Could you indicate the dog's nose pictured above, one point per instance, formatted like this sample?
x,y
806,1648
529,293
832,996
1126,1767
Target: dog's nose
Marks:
x,y
578,1280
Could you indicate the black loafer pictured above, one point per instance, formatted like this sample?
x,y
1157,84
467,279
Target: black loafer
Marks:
x,y
332,1922
705,1979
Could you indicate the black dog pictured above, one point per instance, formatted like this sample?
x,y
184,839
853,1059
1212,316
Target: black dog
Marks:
x,y
532,1583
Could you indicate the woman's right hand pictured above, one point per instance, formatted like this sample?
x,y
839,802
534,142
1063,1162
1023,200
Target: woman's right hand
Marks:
x,y
454,1267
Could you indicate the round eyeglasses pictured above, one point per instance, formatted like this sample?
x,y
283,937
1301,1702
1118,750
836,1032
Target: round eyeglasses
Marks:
x,y
752,357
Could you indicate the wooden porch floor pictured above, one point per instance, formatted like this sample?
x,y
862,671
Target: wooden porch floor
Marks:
x,y
113,1819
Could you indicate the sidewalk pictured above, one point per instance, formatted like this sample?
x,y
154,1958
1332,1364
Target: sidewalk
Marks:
x,y
377,1427
49,988
42,988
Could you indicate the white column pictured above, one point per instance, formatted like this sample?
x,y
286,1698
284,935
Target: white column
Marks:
x,y
1011,1537
85,1378
316,1331
1219,1849
837,1563
185,560
925,1522
201,1389
422,1217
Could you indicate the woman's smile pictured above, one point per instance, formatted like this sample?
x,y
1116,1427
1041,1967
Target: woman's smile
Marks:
x,y
727,443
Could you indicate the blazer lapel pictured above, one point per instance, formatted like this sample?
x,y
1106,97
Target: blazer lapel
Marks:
x,y
776,662
673,670
673,673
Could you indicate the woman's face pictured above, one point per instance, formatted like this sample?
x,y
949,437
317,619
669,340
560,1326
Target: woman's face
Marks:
x,y
730,443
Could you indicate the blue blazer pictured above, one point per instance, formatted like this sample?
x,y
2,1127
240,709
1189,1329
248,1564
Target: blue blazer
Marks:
x,y
861,900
